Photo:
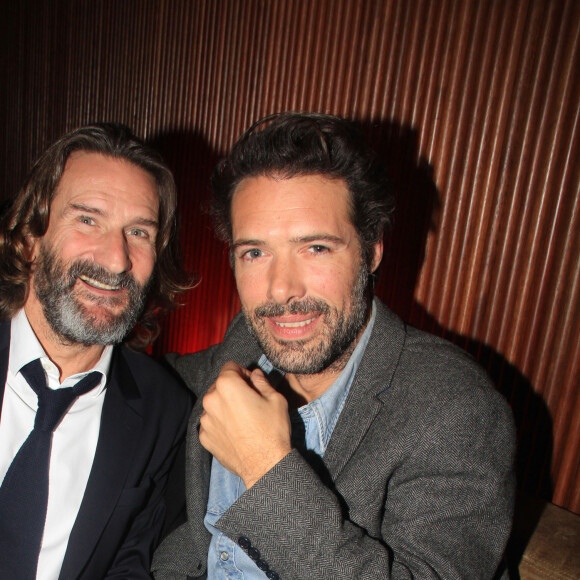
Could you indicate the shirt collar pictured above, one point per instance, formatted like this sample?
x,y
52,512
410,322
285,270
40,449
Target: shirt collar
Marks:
x,y
329,405
25,347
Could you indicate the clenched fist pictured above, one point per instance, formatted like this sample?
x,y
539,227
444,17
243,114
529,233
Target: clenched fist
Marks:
x,y
245,423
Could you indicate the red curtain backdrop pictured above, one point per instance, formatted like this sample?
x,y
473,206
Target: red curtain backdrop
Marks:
x,y
473,105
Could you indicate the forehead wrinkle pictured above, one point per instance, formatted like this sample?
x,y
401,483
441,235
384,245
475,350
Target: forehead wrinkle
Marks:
x,y
86,208
295,240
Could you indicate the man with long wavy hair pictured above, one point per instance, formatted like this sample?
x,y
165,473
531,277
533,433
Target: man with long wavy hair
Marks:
x,y
88,260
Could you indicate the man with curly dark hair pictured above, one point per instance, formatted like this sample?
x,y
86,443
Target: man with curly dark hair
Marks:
x,y
329,439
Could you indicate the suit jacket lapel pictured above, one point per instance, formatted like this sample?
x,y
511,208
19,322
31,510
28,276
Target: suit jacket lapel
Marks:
x,y
4,354
367,393
121,423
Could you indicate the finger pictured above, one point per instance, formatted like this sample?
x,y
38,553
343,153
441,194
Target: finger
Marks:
x,y
260,382
235,368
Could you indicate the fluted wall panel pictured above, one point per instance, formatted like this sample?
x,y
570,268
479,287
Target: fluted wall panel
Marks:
x,y
474,106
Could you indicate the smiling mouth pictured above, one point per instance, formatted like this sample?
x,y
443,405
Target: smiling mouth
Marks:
x,y
294,324
97,284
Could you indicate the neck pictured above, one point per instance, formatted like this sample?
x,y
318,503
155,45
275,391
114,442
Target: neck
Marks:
x,y
303,389
69,358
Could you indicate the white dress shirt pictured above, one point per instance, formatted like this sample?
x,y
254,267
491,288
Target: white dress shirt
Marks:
x,y
73,444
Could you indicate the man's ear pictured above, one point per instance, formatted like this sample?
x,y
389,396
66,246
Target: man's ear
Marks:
x,y
377,256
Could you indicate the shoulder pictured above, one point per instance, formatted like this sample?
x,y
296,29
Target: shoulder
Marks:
x,y
417,356
438,410
426,356
200,369
154,381
432,376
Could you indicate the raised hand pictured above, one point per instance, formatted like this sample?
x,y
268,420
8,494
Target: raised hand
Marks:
x,y
245,423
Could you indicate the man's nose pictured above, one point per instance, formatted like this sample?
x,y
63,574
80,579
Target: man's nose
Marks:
x,y
113,253
286,281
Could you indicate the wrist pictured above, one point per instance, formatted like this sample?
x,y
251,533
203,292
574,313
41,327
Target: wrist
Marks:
x,y
252,476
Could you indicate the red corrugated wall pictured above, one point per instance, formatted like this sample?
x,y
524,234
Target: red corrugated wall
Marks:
x,y
473,104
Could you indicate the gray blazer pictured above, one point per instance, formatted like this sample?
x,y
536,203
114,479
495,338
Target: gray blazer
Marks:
x,y
417,480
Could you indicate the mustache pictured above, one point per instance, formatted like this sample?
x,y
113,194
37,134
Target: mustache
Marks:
x,y
101,274
296,307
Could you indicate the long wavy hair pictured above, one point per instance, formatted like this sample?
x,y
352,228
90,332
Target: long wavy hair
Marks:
x,y
27,215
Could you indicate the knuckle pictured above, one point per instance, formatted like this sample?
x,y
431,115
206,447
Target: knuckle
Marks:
x,y
207,402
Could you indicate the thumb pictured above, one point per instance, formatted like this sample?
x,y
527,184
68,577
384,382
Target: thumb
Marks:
x,y
260,382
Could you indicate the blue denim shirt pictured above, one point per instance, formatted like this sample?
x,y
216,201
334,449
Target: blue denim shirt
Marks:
x,y
312,426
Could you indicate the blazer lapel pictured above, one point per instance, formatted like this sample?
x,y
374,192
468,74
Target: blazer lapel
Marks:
x,y
121,423
365,398
4,354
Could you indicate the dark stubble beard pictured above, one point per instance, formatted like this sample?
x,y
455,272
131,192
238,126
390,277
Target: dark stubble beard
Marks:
x,y
330,352
68,317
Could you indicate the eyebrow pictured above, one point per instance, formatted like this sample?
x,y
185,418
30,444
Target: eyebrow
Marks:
x,y
299,240
241,243
97,211
317,238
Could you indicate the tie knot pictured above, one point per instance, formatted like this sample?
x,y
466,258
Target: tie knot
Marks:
x,y
53,403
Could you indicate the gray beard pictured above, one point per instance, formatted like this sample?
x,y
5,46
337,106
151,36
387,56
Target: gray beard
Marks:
x,y
68,317
341,332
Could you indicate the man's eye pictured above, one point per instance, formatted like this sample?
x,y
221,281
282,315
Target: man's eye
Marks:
x,y
252,254
87,220
318,249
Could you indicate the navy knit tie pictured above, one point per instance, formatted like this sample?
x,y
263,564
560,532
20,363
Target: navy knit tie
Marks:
x,y
24,491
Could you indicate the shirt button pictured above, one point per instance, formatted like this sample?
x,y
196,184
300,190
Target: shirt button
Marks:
x,y
224,556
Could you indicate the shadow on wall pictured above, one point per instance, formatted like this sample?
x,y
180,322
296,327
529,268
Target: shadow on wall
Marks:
x,y
416,214
206,310
418,206
191,160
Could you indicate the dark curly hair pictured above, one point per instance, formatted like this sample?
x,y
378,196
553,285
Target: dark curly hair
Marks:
x,y
295,144
27,214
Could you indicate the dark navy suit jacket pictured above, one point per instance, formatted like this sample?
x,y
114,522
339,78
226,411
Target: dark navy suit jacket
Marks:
x,y
143,421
